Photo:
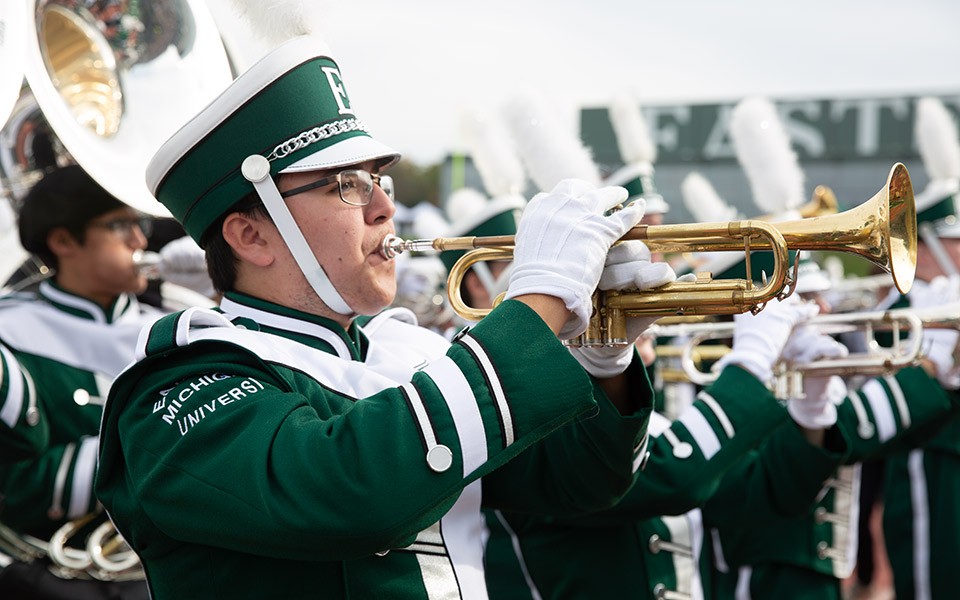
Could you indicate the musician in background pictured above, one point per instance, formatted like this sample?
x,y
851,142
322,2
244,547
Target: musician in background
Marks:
x,y
921,519
307,446
62,346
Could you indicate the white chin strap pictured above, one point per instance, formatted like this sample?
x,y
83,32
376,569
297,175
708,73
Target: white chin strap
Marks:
x,y
940,254
494,285
256,170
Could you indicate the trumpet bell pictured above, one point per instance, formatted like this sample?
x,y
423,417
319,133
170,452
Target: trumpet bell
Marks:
x,y
882,230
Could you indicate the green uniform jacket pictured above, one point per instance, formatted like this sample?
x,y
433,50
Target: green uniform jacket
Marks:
x,y
808,555
921,520
67,349
265,453
628,551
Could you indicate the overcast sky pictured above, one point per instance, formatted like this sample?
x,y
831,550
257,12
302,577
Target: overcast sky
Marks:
x,y
412,66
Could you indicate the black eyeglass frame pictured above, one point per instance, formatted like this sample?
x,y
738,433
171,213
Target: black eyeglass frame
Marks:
x,y
124,226
375,178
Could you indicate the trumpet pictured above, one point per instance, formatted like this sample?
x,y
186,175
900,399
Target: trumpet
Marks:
x,y
883,230
875,360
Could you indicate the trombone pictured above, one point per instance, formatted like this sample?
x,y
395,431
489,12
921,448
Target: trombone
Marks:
x,y
883,230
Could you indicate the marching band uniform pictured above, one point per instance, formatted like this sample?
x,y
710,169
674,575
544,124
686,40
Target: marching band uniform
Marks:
x,y
68,349
630,550
60,352
920,519
262,439
807,556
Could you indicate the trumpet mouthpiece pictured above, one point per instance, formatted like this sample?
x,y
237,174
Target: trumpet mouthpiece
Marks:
x,y
392,245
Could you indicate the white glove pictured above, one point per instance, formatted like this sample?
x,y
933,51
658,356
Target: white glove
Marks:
x,y
941,290
817,408
184,263
806,345
758,340
562,243
940,345
628,266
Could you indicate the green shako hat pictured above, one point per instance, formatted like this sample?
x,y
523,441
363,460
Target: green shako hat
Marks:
x,y
937,205
637,178
495,217
291,107
288,113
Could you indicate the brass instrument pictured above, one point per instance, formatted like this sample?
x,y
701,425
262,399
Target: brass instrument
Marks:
x,y
90,83
875,360
100,76
882,230
824,202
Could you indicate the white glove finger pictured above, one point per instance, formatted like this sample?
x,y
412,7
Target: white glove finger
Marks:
x,y
626,252
803,312
653,275
823,347
618,277
628,217
600,200
687,278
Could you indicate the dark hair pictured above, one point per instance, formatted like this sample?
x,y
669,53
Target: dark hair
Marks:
x,y
66,197
221,260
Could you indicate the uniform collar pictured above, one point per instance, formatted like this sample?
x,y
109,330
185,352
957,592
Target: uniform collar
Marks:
x,y
314,331
83,308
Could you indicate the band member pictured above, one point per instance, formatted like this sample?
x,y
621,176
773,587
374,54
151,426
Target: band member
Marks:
x,y
920,522
303,443
62,346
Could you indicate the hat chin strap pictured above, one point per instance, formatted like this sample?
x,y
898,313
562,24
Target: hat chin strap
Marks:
x,y
493,285
256,170
940,254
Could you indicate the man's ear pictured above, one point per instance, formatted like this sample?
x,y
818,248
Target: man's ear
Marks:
x,y
62,243
249,238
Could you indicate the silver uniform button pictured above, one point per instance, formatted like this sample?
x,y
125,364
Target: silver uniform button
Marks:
x,y
33,416
440,458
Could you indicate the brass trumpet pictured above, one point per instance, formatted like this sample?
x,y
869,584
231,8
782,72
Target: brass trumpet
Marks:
x,y
882,230
875,360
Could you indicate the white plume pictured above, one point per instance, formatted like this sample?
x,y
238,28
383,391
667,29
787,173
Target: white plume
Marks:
x,y
703,201
493,153
429,222
763,149
550,151
632,133
937,139
277,21
464,202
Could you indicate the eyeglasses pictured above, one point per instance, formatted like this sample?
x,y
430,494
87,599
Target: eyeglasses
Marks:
x,y
124,226
356,186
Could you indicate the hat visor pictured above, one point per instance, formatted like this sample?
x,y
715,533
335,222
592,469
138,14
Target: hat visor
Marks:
x,y
816,281
656,205
351,151
947,228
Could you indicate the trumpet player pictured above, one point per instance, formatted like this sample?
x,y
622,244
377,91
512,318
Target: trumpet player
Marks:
x,y
295,438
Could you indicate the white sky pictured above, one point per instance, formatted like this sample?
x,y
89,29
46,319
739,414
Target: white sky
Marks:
x,y
412,66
